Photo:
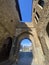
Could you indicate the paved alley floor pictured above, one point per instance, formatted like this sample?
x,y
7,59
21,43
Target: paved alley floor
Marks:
x,y
25,58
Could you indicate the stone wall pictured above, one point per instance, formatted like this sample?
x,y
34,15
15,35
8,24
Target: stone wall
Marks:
x,y
9,19
41,22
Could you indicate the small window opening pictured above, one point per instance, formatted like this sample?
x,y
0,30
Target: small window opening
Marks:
x,y
47,29
34,10
37,15
36,18
5,50
41,3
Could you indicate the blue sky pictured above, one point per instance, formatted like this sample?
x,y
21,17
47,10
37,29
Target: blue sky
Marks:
x,y
26,42
26,10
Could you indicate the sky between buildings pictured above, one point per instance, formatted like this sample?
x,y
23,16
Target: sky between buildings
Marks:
x,y
26,10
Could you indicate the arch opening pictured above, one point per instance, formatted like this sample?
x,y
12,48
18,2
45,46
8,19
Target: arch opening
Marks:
x,y
26,44
5,50
25,52
19,39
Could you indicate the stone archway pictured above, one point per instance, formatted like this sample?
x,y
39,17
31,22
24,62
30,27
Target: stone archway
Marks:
x,y
22,36
36,47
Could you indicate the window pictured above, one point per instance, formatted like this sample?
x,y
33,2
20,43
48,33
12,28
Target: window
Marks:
x,y
41,3
37,15
36,18
34,10
47,29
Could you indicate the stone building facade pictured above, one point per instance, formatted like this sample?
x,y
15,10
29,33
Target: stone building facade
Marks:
x,y
41,22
